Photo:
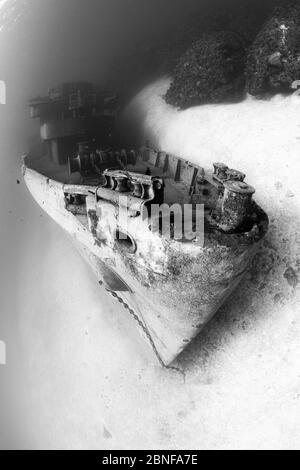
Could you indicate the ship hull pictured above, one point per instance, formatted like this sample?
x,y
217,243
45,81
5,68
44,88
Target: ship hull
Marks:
x,y
172,290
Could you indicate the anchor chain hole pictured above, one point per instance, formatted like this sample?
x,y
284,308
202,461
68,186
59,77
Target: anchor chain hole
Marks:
x,y
125,242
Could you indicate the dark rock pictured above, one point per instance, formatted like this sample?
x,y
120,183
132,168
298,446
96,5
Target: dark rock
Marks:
x,y
273,61
244,18
211,71
291,277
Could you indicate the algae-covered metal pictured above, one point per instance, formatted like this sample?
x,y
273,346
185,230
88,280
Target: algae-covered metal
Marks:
x,y
171,286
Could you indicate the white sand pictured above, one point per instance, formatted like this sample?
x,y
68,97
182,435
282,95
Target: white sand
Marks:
x,y
261,138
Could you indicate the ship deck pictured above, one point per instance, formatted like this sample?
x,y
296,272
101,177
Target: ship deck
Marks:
x,y
176,192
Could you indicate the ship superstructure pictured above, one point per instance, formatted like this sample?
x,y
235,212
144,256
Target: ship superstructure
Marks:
x,y
71,113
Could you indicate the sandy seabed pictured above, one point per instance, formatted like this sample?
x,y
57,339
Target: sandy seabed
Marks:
x,y
84,378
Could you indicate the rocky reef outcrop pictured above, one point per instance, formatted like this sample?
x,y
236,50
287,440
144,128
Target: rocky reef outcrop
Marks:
x,y
210,71
273,60
260,56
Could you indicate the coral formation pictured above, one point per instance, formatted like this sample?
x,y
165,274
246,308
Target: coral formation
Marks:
x,y
218,55
273,60
211,71
260,58
161,54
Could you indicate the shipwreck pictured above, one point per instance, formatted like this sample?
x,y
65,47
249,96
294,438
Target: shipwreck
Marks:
x,y
171,285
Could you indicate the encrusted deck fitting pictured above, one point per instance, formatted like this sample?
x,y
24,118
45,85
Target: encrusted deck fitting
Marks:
x,y
236,204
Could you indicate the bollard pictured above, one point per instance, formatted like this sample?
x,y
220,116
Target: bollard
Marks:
x,y
138,190
148,192
122,184
220,171
236,175
236,204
